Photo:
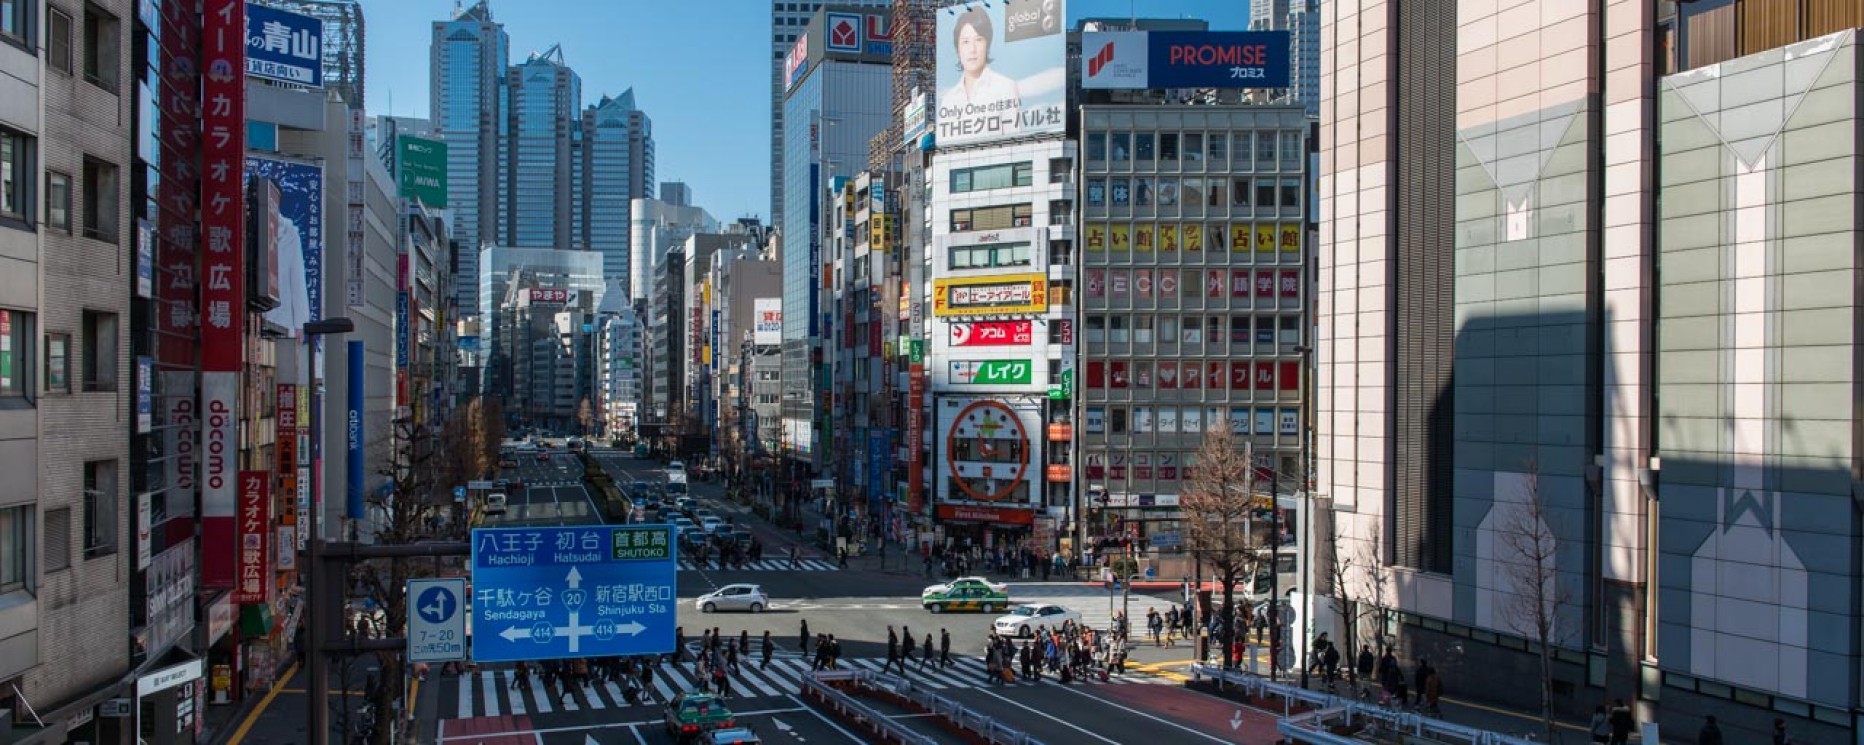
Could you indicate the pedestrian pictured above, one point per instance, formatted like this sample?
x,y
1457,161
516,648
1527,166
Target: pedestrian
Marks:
x,y
1780,737
925,657
1419,678
769,647
821,653
906,648
1363,668
834,653
1433,692
1622,723
744,641
731,657
893,652
841,556
1154,624
802,640
944,648
1390,679
1710,734
1601,726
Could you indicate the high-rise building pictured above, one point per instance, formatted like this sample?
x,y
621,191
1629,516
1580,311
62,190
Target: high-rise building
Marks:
x,y
466,94
614,165
1600,258
1301,19
656,226
542,97
509,275
787,21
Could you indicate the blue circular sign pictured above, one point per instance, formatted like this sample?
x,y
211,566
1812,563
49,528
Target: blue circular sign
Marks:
x,y
436,605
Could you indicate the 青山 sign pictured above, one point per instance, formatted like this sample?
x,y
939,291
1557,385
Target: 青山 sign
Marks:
x,y
991,372
1016,293
422,164
284,46
1184,59
586,591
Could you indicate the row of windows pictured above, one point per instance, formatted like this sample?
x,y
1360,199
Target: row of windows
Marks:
x,y
1216,375
1168,191
99,536
990,256
19,359
1166,283
102,33
999,176
1271,332
1141,420
1219,150
18,162
996,217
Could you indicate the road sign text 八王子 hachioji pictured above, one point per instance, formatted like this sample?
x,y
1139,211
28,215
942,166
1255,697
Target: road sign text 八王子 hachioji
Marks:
x,y
581,591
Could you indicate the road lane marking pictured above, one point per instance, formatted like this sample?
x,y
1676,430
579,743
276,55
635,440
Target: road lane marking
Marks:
x,y
246,726
825,720
541,731
1131,710
1046,715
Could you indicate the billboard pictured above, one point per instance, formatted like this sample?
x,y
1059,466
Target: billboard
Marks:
x,y
222,309
1184,59
255,534
992,333
296,221
1000,72
1013,293
796,62
915,120
767,321
548,295
423,169
989,449
284,46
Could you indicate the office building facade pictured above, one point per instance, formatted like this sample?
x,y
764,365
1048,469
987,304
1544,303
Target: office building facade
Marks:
x,y
614,166
467,101
788,21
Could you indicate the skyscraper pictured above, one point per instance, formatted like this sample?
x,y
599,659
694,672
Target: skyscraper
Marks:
x,y
466,100
787,21
1301,19
542,95
615,164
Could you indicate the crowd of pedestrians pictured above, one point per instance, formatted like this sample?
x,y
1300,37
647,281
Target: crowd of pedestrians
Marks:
x,y
634,675
1069,652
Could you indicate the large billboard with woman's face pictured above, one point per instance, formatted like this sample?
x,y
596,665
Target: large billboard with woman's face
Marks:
x,y
1001,74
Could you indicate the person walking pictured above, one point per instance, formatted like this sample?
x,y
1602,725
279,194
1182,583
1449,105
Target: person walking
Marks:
x,y
802,640
1622,723
1710,734
834,653
769,647
1154,624
925,655
1600,728
893,652
744,641
1419,678
841,556
679,644
796,556
1780,737
944,649
906,648
821,653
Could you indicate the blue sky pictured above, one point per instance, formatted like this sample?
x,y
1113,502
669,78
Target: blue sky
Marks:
x,y
699,68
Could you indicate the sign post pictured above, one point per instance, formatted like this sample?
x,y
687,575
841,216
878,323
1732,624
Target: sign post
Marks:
x,y
585,591
437,627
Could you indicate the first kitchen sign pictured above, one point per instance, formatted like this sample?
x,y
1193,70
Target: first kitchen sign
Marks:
x,y
284,46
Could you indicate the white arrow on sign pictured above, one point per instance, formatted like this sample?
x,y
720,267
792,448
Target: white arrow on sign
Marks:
x,y
631,628
513,633
1236,720
573,579
435,609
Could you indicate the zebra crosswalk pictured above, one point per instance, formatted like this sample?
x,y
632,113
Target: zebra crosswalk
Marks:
x,y
490,693
765,565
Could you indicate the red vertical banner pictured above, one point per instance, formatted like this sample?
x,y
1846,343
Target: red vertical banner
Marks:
x,y
285,447
1096,375
1288,284
1214,377
1290,376
1239,375
1239,283
222,281
255,534
915,438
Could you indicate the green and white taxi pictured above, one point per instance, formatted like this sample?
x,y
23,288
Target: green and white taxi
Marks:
x,y
965,594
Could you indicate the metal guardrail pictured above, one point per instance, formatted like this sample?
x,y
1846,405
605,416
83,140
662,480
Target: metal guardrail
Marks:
x,y
986,727
1311,726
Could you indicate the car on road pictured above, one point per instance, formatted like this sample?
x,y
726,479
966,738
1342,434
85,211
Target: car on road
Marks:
x,y
711,524
735,736
543,455
677,465
964,596
507,462
641,487
1025,619
994,586
685,525
691,716
495,503
502,484
734,597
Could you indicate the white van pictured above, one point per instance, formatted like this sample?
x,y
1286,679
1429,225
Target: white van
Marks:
x,y
495,503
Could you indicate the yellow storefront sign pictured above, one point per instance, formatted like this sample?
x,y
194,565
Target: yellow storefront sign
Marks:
x,y
1008,294
1168,237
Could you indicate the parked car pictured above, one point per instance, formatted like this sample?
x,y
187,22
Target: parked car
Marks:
x,y
495,503
734,597
690,716
507,462
1025,619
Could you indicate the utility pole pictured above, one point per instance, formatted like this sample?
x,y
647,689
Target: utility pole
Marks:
x,y
1275,602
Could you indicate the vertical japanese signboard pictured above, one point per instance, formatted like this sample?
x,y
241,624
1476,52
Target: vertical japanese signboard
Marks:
x,y
286,456
255,533
353,458
223,301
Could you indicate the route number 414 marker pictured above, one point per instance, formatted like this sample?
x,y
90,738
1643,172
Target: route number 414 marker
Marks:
x,y
583,591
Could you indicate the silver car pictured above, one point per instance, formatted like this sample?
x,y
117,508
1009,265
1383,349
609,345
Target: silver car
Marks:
x,y
734,597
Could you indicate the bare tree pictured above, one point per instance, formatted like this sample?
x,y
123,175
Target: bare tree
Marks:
x,y
1528,553
585,416
1217,508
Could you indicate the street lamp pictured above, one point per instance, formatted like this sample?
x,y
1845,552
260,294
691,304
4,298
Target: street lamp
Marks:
x,y
1305,473
319,687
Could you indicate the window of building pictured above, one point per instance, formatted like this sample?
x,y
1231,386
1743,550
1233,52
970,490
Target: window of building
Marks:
x,y
58,39
1097,146
1213,332
1239,191
1142,192
1194,147
1120,142
58,363
1192,332
16,337
1168,332
1096,329
102,33
1219,148
1168,147
16,168
1245,145
1059,169
1239,330
15,548
1142,146
991,255
100,508
1218,193
997,217
1265,148
1265,193
100,351
1291,150
1000,176
1142,329
1116,420
100,199
1291,193
16,21
1097,193
1122,192
58,201
1193,191
1061,212
57,551
1116,329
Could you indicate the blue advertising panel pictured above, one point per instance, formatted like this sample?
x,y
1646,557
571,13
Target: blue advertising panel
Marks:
x,y
284,46
437,627
353,434
1184,59
582,591
295,221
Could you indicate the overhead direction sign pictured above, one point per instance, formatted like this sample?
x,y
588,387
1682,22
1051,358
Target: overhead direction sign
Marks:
x,y
437,627
583,591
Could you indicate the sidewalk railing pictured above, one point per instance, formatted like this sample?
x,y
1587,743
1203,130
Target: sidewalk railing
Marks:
x,y
984,726
1328,709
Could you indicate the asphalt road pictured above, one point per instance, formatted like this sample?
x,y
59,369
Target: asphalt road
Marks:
x,y
857,606
553,494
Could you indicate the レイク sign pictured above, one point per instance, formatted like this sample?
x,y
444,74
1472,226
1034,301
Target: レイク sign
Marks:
x,y
223,277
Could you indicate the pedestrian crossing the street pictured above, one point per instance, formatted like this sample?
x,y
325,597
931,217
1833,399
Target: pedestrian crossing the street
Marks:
x,y
491,693
764,565
559,483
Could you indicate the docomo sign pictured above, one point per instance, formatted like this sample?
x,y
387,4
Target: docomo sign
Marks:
x,y
991,333
223,301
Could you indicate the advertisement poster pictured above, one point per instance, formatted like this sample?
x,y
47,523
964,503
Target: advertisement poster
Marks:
x,y
422,164
1265,421
1168,237
353,434
988,449
283,46
296,219
992,333
1016,293
1001,72
223,288
1193,238
1138,60
767,326
255,534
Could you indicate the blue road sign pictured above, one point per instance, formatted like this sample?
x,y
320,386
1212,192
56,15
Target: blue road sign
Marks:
x,y
437,628
459,493
582,591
